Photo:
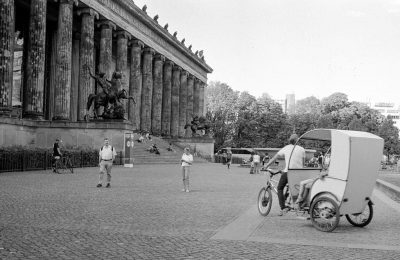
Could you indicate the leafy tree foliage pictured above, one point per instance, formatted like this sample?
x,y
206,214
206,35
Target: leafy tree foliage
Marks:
x,y
241,120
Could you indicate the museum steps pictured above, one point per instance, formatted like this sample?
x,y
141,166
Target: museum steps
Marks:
x,y
141,154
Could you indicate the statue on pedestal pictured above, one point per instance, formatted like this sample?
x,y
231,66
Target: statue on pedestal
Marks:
x,y
109,98
198,124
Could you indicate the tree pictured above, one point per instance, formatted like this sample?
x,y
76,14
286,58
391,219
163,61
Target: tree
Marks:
x,y
390,134
334,102
308,105
221,111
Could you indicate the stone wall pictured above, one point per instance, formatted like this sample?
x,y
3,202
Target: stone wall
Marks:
x,y
27,133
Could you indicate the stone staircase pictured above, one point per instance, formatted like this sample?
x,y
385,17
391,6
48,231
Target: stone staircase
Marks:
x,y
142,156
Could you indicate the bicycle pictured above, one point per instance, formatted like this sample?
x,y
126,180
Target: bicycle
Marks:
x,y
63,165
265,195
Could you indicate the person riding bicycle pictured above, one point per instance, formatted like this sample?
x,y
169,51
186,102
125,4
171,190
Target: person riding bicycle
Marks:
x,y
56,153
297,159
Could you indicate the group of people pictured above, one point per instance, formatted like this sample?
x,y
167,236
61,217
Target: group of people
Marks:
x,y
107,154
143,137
256,160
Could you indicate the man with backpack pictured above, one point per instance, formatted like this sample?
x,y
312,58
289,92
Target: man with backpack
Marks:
x,y
107,155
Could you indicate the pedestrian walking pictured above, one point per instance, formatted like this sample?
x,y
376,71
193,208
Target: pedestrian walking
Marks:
x,y
229,158
186,162
107,155
256,162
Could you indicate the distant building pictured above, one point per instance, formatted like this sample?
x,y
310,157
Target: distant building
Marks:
x,y
288,104
389,110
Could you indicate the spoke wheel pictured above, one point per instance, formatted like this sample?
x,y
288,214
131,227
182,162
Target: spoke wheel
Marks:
x,y
264,201
324,213
361,219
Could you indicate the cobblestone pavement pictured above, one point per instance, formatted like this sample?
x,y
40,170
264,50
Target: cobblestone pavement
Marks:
x,y
144,215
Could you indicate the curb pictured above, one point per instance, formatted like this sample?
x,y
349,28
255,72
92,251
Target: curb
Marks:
x,y
389,189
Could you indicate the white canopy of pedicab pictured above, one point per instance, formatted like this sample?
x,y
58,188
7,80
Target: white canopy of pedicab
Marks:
x,y
354,165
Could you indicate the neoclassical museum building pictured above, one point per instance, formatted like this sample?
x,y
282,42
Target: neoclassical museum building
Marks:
x,y
49,48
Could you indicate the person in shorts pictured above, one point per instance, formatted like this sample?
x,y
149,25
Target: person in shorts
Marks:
x,y
186,163
229,158
107,155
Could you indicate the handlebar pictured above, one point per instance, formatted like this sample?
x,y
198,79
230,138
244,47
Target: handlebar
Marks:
x,y
273,172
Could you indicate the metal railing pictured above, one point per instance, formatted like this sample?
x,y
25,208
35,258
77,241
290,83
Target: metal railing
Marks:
x,y
13,161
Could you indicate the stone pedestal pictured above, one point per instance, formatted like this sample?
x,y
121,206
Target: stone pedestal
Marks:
x,y
176,74
166,104
182,104
86,60
62,93
35,63
135,83
157,94
6,55
147,89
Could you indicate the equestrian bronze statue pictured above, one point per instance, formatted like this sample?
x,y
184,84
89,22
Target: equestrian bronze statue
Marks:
x,y
198,124
109,98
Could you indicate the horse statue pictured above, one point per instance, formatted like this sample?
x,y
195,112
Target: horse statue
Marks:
x,y
109,98
197,124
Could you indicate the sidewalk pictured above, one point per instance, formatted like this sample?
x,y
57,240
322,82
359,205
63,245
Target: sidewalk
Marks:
x,y
389,183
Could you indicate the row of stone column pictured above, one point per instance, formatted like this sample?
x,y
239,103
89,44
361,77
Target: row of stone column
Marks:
x,y
166,96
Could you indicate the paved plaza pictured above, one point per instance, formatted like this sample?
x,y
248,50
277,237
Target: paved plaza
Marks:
x,y
144,215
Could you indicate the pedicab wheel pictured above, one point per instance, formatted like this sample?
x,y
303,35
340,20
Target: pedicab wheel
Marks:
x,y
324,214
362,219
264,201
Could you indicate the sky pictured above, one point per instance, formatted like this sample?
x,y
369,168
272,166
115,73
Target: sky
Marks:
x,y
301,47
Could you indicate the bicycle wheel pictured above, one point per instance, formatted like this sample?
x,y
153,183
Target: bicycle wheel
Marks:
x,y
361,219
324,213
264,201
70,168
60,167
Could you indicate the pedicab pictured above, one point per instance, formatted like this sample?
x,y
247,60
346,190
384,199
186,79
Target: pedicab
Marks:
x,y
350,169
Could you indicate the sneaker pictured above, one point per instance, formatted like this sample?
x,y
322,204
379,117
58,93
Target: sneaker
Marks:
x,y
108,185
99,185
187,190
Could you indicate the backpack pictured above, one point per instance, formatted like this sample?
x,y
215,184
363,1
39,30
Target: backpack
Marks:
x,y
112,149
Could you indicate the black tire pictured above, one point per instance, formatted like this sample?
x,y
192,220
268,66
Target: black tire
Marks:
x,y
264,201
362,219
324,214
70,169
60,167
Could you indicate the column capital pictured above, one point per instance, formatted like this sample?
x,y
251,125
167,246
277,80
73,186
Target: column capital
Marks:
x,y
169,62
107,24
184,73
191,77
123,34
88,11
159,56
149,50
176,67
75,2
136,43
196,80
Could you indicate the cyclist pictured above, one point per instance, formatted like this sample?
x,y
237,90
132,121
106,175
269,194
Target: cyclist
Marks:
x,y
296,161
56,153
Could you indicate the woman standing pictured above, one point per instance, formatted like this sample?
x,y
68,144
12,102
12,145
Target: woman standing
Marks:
x,y
186,162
